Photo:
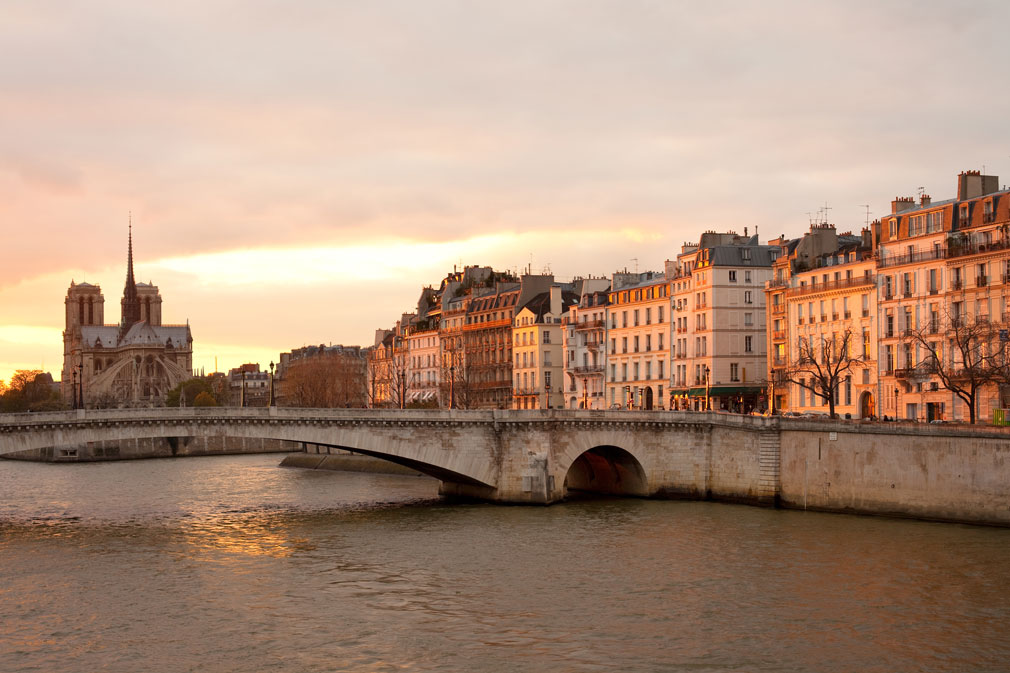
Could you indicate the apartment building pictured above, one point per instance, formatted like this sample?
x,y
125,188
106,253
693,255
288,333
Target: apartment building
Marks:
x,y
940,264
719,349
537,347
585,333
638,341
823,296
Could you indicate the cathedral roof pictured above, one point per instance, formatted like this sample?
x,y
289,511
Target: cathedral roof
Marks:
x,y
139,334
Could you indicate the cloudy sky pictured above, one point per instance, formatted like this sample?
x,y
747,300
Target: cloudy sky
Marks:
x,y
296,171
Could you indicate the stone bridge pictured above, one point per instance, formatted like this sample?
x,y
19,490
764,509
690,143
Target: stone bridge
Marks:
x,y
503,456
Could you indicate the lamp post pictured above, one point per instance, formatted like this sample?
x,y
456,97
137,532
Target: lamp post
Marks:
x,y
585,393
708,388
895,404
403,386
452,382
272,401
73,375
80,384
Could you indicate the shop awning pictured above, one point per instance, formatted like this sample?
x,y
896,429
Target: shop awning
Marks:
x,y
723,391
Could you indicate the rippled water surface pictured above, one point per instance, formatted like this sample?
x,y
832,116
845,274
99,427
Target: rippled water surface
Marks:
x,y
236,564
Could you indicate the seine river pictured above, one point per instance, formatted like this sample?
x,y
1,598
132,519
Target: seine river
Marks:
x,y
236,564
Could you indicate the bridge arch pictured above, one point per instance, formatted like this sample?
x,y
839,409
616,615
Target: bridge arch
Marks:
x,y
608,470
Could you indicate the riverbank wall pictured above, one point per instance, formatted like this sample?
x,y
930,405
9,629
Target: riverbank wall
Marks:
x,y
154,447
345,461
941,473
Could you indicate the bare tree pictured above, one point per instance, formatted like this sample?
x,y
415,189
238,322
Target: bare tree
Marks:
x,y
457,375
964,354
821,364
325,381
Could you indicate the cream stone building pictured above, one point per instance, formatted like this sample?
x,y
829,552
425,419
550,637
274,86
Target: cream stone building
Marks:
x,y
134,363
638,341
719,348
585,338
537,347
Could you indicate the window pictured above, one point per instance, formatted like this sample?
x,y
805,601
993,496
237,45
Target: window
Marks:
x,y
547,359
624,344
660,346
732,276
636,317
648,343
547,377
636,343
748,319
660,317
748,344
624,318
746,276
648,316
734,371
547,337
747,298
624,371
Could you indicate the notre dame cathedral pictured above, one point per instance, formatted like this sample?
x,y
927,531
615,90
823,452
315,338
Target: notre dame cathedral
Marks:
x,y
132,364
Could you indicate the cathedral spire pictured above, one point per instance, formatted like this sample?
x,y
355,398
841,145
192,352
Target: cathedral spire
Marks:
x,y
131,302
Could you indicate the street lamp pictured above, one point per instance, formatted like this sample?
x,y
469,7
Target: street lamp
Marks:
x,y
708,388
452,382
272,401
585,393
895,404
73,375
403,385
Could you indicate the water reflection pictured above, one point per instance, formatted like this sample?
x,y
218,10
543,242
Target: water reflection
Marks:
x,y
233,564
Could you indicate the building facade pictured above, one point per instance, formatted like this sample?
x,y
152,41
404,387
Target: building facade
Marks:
x,y
638,341
720,346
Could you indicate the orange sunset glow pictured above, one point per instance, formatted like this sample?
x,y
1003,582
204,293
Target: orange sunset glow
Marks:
x,y
296,174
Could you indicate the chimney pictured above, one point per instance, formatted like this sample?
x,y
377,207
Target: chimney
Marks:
x,y
901,204
925,200
972,184
556,301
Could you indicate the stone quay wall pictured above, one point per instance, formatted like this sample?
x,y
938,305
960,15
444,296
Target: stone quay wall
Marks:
x,y
943,473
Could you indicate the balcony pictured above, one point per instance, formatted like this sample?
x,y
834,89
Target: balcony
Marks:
x,y
824,317
914,258
778,309
834,316
962,248
907,294
981,281
840,284
848,314
589,369
888,294
988,218
866,313
779,335
906,373
800,320
934,291
590,324
956,284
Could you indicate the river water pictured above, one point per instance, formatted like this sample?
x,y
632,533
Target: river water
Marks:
x,y
236,564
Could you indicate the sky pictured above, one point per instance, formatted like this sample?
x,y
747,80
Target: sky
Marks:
x,y
297,172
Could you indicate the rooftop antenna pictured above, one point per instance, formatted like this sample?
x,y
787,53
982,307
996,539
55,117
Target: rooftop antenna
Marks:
x,y
922,192
635,260
867,206
825,209
810,218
